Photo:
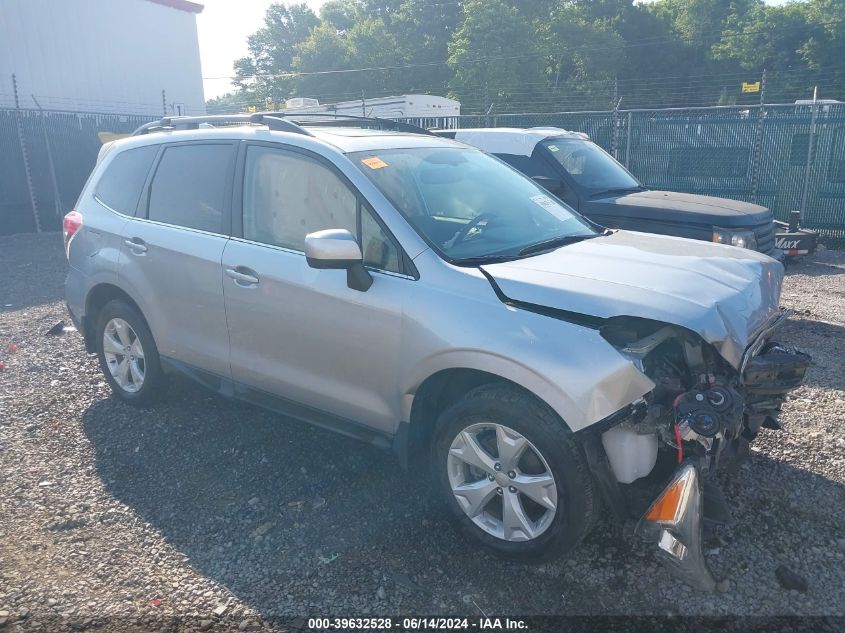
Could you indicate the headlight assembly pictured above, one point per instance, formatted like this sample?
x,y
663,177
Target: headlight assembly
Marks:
x,y
740,238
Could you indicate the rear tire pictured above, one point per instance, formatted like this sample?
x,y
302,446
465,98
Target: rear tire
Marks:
x,y
529,495
128,354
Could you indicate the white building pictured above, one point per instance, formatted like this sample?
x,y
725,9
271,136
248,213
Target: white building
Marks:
x,y
111,56
384,107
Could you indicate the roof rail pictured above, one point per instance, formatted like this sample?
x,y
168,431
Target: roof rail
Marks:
x,y
271,119
279,121
343,120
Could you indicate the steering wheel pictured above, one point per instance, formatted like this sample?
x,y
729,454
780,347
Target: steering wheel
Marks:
x,y
469,226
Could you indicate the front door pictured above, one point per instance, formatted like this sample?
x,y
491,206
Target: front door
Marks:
x,y
299,333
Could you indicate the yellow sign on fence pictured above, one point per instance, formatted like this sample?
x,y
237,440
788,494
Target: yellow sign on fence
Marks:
x,y
751,87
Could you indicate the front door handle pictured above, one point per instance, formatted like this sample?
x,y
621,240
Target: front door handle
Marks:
x,y
243,276
137,245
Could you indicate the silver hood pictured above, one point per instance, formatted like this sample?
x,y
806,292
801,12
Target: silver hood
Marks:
x,y
724,294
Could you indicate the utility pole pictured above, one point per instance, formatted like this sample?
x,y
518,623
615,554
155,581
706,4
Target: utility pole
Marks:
x,y
363,104
163,103
25,155
757,158
57,199
807,169
615,139
485,100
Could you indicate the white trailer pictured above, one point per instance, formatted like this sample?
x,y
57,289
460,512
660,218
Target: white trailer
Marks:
x,y
384,107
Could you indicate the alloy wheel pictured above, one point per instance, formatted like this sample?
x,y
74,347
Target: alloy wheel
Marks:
x,y
124,355
502,482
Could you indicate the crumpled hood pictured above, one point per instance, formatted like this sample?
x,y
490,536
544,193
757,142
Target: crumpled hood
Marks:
x,y
724,294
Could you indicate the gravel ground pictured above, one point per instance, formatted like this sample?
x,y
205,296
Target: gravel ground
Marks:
x,y
206,514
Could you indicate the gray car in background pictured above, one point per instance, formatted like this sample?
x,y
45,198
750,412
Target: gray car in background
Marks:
x,y
420,295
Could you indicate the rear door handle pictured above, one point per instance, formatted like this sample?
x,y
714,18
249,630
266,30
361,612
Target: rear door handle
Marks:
x,y
137,245
243,276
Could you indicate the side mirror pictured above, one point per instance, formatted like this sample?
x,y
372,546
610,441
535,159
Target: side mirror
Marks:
x,y
338,249
555,185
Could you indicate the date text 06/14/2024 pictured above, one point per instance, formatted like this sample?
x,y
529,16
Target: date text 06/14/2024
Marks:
x,y
417,624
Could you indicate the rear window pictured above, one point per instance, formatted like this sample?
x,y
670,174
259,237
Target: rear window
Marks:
x,y
189,186
121,183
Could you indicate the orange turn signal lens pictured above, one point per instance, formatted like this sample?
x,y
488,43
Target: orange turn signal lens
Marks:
x,y
667,507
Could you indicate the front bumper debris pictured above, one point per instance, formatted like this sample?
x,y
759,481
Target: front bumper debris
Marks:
x,y
711,437
674,523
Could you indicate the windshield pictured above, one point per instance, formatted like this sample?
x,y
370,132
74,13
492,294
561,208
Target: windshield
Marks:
x,y
590,166
468,205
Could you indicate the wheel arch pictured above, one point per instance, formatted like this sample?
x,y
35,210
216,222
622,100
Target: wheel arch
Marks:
x,y
443,388
98,297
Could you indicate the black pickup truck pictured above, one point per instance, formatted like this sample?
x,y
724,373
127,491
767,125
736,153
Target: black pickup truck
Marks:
x,y
590,180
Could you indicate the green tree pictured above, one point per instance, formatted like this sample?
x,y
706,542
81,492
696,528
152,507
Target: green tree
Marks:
x,y
272,49
545,55
495,55
341,14
324,50
423,30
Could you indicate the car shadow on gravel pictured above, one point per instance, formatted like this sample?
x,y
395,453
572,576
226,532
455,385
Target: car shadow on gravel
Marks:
x,y
295,520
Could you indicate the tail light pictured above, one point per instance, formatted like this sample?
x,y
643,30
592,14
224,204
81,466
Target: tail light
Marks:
x,y
70,226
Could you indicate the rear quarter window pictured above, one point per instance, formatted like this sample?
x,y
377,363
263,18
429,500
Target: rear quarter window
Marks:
x,y
120,185
189,186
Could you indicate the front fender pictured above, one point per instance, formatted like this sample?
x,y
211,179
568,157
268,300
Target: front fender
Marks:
x,y
569,367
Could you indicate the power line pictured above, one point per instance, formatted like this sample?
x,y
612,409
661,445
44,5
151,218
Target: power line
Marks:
x,y
627,44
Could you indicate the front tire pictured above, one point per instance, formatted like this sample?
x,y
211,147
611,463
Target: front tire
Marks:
x,y
511,474
128,355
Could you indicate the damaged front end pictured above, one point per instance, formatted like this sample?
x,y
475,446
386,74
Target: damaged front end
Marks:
x,y
700,418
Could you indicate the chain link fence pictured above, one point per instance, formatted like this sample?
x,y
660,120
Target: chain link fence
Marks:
x,y
45,160
786,157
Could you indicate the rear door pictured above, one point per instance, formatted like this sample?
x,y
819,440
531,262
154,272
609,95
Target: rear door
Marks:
x,y
173,248
98,249
302,334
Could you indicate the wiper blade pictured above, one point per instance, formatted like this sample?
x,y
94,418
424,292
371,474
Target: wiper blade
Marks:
x,y
484,259
618,190
555,242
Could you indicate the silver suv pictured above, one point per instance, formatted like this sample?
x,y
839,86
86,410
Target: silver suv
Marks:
x,y
418,294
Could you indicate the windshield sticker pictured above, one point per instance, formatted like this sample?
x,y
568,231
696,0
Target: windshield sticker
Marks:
x,y
552,206
553,148
374,163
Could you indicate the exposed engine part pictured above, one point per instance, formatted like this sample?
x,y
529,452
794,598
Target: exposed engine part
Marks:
x,y
717,410
696,417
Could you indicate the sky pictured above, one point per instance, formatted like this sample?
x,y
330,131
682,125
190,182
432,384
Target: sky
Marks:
x,y
223,27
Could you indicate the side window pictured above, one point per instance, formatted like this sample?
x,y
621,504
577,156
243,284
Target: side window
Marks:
x,y
531,166
121,183
287,196
378,249
189,186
